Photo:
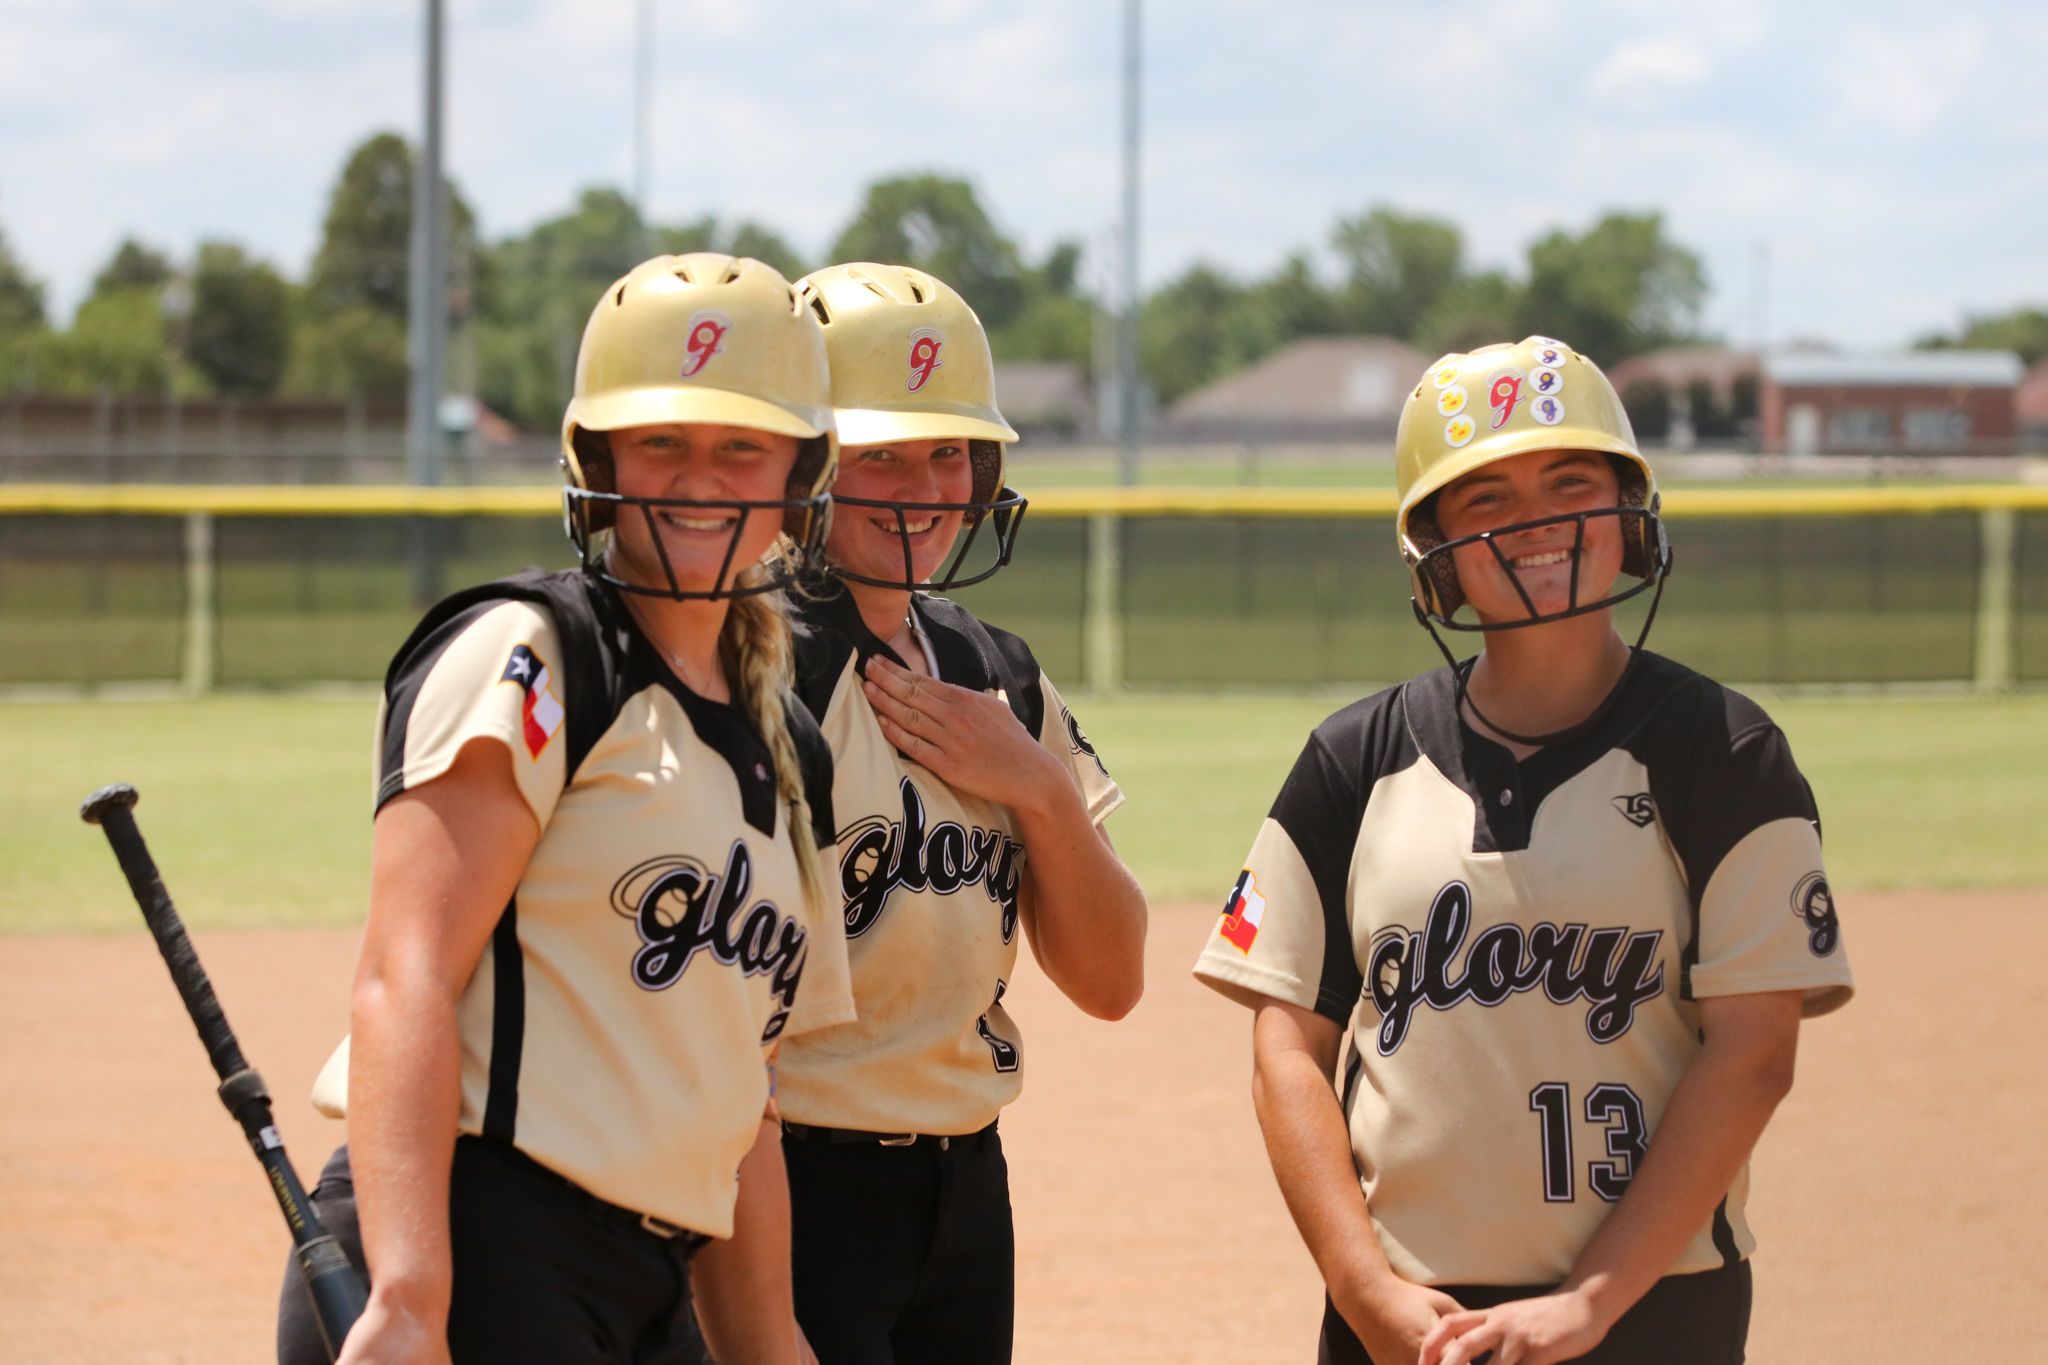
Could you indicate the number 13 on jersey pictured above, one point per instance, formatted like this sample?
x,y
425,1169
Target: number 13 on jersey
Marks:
x,y
1615,1106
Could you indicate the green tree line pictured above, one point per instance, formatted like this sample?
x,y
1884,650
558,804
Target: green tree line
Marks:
x,y
226,322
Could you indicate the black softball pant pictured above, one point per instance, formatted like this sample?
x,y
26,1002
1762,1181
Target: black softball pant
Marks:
x,y
903,1255
1700,1319
545,1272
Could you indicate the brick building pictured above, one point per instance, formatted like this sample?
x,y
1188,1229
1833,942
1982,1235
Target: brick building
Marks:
x,y
1913,402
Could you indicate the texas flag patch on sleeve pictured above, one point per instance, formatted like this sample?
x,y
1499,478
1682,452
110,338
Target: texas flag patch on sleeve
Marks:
x,y
1242,913
541,711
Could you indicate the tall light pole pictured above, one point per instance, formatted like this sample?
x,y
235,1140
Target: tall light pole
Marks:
x,y
427,311
643,122
1102,634
1130,407
427,318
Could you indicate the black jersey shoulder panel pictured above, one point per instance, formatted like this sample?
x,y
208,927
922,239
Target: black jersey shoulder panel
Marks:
x,y
403,681
829,631
595,632
1719,769
975,654
814,757
606,660
1321,805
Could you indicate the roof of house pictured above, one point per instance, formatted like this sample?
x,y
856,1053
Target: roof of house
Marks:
x,y
1678,366
1318,378
1990,369
1042,390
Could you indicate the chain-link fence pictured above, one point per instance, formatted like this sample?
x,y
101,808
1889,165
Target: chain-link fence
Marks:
x,y
1208,601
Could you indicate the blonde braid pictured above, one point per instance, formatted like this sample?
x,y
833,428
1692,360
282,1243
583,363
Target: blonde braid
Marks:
x,y
758,651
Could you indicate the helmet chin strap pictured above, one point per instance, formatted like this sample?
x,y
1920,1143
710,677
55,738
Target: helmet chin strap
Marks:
x,y
1461,673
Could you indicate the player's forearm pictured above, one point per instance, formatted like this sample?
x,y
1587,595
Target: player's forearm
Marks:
x,y
1087,914
444,860
404,1103
741,1285
1706,1133
1293,1062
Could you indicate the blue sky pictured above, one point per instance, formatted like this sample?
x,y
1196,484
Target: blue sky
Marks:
x,y
1893,156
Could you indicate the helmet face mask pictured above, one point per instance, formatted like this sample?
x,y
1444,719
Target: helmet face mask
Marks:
x,y
1004,514
1439,595
910,362
592,516
701,339
1436,573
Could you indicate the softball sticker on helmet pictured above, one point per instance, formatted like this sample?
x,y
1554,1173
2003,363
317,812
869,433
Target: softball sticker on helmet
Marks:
x,y
701,338
910,362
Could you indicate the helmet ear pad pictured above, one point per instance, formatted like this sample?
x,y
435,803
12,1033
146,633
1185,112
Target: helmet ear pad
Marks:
x,y
986,459
594,473
807,478
1436,578
1637,558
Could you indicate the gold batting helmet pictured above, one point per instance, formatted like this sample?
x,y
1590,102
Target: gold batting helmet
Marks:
x,y
911,362
709,338
1474,408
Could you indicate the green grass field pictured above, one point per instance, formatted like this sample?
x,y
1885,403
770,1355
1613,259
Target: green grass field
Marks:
x,y
257,807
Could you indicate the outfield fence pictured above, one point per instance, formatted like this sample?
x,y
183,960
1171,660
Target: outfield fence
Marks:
x,y
197,587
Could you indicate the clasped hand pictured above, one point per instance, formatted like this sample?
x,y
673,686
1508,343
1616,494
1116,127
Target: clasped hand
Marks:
x,y
970,740
1538,1331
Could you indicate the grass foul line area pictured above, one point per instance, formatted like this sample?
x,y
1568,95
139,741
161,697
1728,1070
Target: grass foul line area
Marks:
x,y
258,806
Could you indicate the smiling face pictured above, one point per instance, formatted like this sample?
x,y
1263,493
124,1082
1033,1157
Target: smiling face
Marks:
x,y
867,540
701,463
1531,487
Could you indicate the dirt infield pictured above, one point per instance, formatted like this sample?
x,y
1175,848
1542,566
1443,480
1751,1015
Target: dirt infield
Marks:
x,y
1898,1193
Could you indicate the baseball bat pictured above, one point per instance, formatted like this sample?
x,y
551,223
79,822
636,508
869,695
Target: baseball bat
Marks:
x,y
337,1291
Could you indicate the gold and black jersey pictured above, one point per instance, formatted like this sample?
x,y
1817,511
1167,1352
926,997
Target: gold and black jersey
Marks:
x,y
659,940
1518,949
929,879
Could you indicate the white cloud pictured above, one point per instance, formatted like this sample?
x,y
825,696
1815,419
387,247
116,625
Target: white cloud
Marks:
x,y
1650,72
1892,154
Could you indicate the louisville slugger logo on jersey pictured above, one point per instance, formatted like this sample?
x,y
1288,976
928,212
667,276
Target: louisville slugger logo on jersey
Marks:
x,y
704,339
1614,969
880,855
682,908
925,345
1639,809
1242,912
541,712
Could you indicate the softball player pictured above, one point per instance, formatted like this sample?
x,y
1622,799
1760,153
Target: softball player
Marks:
x,y
1568,899
969,805
596,905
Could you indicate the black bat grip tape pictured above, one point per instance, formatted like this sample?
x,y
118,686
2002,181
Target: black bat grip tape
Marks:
x,y
140,869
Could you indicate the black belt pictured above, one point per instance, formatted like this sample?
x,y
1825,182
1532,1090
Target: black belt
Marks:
x,y
598,1210
811,1132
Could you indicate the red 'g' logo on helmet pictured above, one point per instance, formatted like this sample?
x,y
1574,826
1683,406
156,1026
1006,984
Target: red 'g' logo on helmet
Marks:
x,y
705,339
925,344
1504,394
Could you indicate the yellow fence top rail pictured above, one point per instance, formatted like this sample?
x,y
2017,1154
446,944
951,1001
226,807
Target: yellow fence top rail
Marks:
x,y
285,500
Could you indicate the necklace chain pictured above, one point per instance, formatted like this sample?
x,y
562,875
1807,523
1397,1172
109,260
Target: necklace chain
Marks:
x,y
669,656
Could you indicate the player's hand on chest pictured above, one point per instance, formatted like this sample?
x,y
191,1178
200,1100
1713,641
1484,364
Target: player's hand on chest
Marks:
x,y
971,741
